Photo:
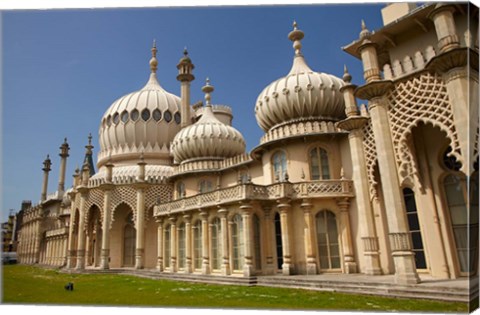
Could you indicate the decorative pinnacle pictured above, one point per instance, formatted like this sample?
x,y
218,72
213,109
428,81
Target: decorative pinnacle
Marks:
x,y
365,33
64,149
185,51
153,61
346,76
207,89
89,146
296,36
47,164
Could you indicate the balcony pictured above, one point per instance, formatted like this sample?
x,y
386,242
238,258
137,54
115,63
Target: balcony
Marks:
x,y
248,191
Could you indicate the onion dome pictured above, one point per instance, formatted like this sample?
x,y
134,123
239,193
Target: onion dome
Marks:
x,y
208,138
303,95
143,121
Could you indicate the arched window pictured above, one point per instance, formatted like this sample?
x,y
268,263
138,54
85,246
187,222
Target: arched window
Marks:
x,y
414,228
180,190
216,244
327,240
205,186
319,167
237,242
167,255
181,245
463,215
279,161
197,244
257,242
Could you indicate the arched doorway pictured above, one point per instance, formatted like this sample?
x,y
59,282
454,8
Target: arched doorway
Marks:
x,y
129,238
278,241
328,246
94,237
237,242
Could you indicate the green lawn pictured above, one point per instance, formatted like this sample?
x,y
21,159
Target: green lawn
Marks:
x,y
33,285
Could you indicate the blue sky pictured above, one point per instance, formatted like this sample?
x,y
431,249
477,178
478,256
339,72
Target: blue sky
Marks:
x,y
62,69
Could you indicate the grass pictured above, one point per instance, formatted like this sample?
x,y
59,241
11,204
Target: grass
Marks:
x,y
33,285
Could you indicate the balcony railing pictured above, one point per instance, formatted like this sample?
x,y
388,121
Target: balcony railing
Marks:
x,y
248,191
56,232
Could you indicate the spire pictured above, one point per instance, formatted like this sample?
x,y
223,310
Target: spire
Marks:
x,y
347,78
365,33
47,164
207,89
299,63
296,36
153,61
88,155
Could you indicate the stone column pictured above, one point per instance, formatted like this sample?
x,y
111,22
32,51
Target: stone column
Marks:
x,y
188,243
442,17
63,165
38,237
159,221
46,169
65,250
105,252
350,266
205,244
309,237
81,234
222,212
403,256
246,210
185,76
173,244
140,229
284,207
268,223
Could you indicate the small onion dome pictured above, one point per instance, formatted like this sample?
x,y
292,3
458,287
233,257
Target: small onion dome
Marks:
x,y
208,138
302,95
143,121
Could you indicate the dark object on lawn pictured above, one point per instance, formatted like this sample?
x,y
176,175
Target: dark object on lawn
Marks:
x,y
69,286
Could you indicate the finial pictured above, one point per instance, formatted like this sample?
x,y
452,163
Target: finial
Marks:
x,y
185,51
365,33
65,140
296,36
89,138
346,76
207,89
153,61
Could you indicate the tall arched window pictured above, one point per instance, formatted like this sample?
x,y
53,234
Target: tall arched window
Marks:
x,y
237,242
278,240
129,242
463,216
181,245
257,242
414,228
167,255
216,244
327,240
205,186
319,167
197,244
279,161
180,190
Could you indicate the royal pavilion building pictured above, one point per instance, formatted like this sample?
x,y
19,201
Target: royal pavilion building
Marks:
x,y
385,186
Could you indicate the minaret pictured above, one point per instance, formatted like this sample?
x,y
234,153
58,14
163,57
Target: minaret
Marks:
x,y
185,76
46,169
88,155
64,148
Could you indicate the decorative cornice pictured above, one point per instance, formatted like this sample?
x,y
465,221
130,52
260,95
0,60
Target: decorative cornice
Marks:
x,y
352,123
373,89
458,57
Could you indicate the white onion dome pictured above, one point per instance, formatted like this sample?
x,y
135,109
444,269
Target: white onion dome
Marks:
x,y
208,138
302,95
144,121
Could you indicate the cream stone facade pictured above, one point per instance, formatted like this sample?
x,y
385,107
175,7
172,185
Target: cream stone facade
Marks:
x,y
386,187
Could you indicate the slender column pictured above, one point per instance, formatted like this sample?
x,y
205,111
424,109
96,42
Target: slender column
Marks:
x,y
268,223
140,238
403,256
222,212
64,251
63,165
46,169
205,244
48,251
309,237
38,237
173,244
188,243
185,76
442,17
81,234
105,252
230,242
159,221
246,210
350,266
71,235
284,206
